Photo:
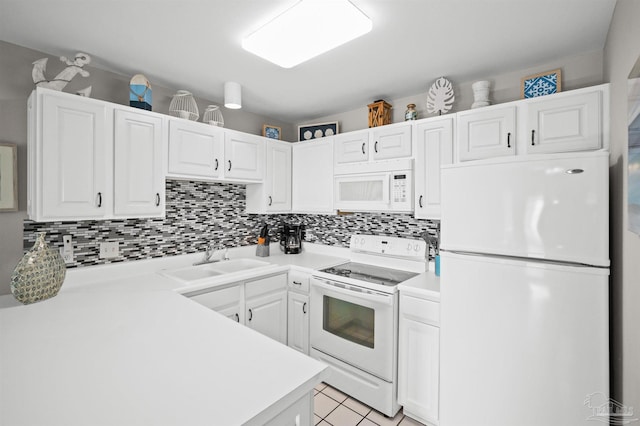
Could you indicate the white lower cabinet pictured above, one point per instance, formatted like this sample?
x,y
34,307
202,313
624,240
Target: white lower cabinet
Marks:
x,y
298,318
419,358
260,303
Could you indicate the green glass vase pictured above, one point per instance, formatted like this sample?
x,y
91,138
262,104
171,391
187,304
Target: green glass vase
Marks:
x,y
39,274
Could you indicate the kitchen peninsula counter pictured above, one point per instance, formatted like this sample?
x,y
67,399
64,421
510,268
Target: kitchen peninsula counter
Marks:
x,y
130,350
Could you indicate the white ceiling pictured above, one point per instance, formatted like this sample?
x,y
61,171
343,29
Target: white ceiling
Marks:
x,y
195,45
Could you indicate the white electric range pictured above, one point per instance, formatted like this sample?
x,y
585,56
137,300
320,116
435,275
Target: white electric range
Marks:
x,y
354,316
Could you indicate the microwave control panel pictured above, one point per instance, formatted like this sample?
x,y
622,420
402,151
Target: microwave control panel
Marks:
x,y
399,188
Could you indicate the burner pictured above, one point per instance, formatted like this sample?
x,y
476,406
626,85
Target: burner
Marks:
x,y
370,273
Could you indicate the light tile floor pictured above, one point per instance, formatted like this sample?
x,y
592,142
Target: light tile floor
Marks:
x,y
334,408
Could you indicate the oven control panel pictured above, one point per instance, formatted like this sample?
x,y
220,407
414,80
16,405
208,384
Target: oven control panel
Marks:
x,y
390,246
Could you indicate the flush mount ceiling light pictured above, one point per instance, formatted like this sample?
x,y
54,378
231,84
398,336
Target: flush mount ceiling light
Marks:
x,y
306,30
232,95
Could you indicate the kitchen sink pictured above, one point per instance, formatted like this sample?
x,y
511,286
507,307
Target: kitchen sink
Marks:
x,y
208,270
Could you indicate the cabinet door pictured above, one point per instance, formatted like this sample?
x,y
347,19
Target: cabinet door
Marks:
x,y
298,322
226,301
195,149
419,369
244,156
434,148
391,142
351,147
487,133
267,314
570,123
139,186
73,152
312,186
278,177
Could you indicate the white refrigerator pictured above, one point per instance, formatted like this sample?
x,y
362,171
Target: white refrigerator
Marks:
x,y
524,291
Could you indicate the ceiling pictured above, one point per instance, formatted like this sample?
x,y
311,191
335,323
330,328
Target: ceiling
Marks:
x,y
195,45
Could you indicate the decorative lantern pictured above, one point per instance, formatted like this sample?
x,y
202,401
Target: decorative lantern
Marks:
x,y
379,113
140,92
183,105
213,115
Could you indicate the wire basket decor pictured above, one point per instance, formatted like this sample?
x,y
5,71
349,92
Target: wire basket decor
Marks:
x,y
213,115
183,105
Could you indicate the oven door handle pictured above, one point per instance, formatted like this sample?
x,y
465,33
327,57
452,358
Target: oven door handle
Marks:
x,y
384,299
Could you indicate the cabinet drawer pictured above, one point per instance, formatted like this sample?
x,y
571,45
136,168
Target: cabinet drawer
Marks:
x,y
218,298
420,309
298,281
265,285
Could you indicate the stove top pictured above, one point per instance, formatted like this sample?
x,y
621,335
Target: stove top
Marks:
x,y
370,273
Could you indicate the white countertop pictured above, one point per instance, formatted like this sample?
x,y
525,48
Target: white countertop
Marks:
x,y
425,285
119,345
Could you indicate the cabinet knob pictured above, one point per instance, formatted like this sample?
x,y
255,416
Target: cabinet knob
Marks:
x,y
157,199
509,140
533,136
229,166
304,308
250,314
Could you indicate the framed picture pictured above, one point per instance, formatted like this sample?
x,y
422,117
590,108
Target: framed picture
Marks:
x,y
8,177
541,84
315,131
271,132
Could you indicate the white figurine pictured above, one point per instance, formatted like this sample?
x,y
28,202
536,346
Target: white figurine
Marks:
x,y
60,81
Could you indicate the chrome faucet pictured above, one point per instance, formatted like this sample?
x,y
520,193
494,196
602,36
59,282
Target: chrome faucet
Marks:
x,y
209,252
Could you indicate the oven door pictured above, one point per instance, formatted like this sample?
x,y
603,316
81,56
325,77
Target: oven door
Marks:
x,y
354,325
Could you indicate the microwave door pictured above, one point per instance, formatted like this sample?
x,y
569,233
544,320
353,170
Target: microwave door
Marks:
x,y
363,192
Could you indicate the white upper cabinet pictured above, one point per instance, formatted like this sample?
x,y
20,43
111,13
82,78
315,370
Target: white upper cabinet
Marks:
x,y
434,140
565,123
139,187
378,143
274,194
69,157
390,142
312,186
73,173
195,150
487,132
244,156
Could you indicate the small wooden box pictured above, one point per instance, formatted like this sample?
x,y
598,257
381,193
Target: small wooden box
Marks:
x,y
379,113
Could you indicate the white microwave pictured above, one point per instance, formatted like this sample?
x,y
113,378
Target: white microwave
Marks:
x,y
385,191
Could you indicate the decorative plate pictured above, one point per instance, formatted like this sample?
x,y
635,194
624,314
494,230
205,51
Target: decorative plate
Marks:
x,y
440,96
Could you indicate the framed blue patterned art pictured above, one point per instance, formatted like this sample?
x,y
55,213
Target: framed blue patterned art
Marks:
x,y
541,84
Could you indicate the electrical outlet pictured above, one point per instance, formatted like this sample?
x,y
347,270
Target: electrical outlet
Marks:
x,y
109,250
67,250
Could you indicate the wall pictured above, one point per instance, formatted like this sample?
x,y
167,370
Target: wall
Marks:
x,y
620,54
577,71
16,85
199,213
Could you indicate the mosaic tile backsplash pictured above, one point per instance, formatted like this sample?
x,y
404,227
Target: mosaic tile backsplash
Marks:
x,y
199,213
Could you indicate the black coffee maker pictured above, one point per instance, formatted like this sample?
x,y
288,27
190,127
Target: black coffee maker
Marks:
x,y
291,237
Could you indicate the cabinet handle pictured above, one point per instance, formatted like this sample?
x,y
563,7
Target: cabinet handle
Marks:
x,y
229,166
533,135
297,283
99,199
509,140
250,314
375,147
157,199
216,165
420,201
363,148
304,308
237,318
270,200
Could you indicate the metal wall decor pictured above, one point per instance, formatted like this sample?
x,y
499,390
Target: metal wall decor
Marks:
x,y
440,97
